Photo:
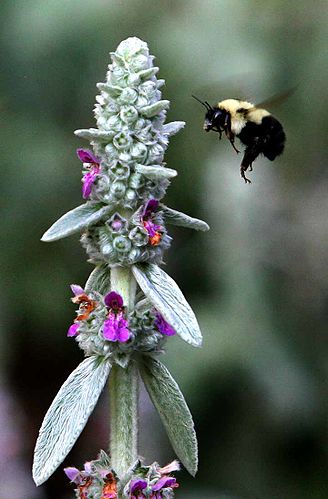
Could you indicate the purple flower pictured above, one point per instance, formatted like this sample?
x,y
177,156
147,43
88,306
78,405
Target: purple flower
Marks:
x,y
137,485
165,482
169,468
73,330
88,180
86,156
73,474
88,467
77,290
153,229
113,301
150,207
116,225
163,326
115,327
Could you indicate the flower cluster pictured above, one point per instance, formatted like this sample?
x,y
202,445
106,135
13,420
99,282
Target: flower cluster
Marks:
x,y
123,241
98,480
153,482
104,327
130,141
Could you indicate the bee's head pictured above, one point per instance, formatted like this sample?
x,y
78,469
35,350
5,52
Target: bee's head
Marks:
x,y
214,118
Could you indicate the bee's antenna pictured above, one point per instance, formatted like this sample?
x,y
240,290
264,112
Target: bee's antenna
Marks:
x,y
205,104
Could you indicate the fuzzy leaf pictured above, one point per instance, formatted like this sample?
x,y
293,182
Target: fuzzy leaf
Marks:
x,y
112,90
173,410
173,127
174,217
168,299
75,221
94,134
156,108
68,415
145,74
99,280
156,171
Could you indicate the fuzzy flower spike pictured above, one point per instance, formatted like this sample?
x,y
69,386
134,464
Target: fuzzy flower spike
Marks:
x,y
122,333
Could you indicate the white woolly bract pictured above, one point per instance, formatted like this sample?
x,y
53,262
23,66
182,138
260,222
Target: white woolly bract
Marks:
x,y
168,299
68,415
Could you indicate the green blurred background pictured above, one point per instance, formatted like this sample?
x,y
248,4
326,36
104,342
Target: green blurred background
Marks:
x,y
257,281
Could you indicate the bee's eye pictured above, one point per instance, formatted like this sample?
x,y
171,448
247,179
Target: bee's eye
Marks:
x,y
218,115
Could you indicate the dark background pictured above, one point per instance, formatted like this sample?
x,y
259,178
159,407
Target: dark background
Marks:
x,y
257,281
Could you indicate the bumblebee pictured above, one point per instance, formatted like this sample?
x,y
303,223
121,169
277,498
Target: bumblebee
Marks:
x,y
255,127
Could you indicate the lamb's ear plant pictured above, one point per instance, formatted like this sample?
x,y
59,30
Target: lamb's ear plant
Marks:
x,y
121,329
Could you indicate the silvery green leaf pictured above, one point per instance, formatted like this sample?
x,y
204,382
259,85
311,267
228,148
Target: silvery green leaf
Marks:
x,y
174,217
168,299
156,108
173,410
143,305
156,171
173,127
117,58
75,221
112,90
68,415
99,280
94,134
145,74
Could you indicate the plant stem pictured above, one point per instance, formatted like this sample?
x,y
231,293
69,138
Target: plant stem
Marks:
x,y
123,386
123,282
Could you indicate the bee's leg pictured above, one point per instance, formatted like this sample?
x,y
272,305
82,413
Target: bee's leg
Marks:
x,y
242,174
219,131
228,132
231,140
251,153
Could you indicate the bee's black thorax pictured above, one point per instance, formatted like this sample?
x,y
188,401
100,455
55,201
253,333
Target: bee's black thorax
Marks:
x,y
268,137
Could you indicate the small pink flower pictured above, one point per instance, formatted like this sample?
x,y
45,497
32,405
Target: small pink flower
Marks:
x,y
86,156
163,326
73,474
73,330
115,327
154,230
137,485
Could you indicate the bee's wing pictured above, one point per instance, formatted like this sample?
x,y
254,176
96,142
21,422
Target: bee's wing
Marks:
x,y
276,99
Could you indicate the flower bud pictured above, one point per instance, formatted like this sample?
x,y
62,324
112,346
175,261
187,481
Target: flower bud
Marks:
x,y
120,171
122,244
128,114
136,181
138,152
139,236
122,140
128,96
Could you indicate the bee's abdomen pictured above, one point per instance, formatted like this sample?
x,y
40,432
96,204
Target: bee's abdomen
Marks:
x,y
274,139
268,136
